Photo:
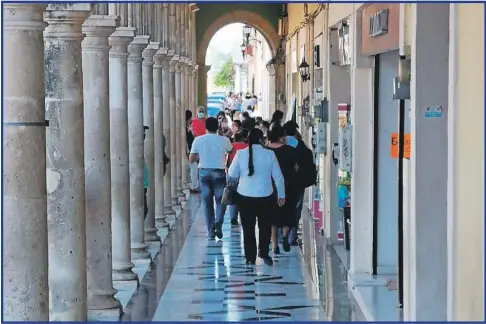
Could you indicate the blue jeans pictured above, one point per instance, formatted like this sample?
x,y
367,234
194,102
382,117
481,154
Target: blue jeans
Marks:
x,y
233,211
298,214
212,183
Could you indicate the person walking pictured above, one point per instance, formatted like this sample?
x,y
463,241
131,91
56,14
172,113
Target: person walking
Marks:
x,y
210,150
192,166
254,168
198,125
306,173
284,216
239,143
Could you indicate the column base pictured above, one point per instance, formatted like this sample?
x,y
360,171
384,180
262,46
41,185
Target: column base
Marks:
x,y
168,211
102,305
151,235
139,252
124,272
174,201
161,222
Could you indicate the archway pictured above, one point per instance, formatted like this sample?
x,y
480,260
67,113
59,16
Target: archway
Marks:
x,y
247,17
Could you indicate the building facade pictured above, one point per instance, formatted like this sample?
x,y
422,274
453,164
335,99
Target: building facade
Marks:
x,y
400,182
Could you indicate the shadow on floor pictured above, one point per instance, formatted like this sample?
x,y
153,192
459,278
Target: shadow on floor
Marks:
x,y
143,303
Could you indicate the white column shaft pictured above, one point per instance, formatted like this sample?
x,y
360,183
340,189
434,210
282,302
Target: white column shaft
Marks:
x,y
120,174
179,144
148,109
159,143
173,130
97,162
168,211
135,146
26,291
65,161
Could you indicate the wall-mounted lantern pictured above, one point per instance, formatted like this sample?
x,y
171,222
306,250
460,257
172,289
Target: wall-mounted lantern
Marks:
x,y
271,66
243,49
304,70
247,31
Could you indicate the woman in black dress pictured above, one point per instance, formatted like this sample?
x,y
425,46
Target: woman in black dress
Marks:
x,y
284,216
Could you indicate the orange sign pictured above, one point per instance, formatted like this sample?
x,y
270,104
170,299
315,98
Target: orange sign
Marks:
x,y
407,141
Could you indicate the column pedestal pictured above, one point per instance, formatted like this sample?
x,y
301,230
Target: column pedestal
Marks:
x,y
135,146
160,218
65,161
101,300
148,113
26,294
120,175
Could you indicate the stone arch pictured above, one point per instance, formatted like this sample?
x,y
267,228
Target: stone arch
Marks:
x,y
237,16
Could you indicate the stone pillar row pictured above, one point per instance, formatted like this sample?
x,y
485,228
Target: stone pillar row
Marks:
x,y
74,187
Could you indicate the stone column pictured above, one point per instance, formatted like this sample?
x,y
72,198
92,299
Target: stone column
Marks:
x,y
65,161
135,146
173,131
184,107
194,90
148,111
120,175
202,84
168,211
24,147
160,218
179,144
97,165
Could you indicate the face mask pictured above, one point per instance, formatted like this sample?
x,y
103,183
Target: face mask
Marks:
x,y
200,114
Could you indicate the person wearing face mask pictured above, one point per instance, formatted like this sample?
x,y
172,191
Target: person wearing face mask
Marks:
x,y
199,124
224,129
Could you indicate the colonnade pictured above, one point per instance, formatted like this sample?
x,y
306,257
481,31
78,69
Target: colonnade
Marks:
x,y
82,81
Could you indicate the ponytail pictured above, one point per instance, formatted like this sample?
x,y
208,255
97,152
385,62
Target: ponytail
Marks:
x,y
251,167
255,137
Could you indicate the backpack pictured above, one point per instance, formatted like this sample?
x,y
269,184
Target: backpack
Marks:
x,y
307,174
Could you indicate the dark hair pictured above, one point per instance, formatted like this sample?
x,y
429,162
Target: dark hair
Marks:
x,y
258,120
245,114
255,136
275,133
266,124
212,124
241,136
188,115
290,128
248,123
220,113
277,116
237,122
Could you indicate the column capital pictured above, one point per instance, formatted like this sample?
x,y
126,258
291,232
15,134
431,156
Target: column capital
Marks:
x,y
149,52
206,68
120,40
136,47
69,16
174,63
97,29
166,61
194,69
24,16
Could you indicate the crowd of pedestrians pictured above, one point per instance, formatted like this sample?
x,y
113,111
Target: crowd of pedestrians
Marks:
x,y
256,169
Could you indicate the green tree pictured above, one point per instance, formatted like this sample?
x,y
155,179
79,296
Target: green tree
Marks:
x,y
224,77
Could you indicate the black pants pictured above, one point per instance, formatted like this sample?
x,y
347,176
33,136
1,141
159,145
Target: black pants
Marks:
x,y
250,209
145,206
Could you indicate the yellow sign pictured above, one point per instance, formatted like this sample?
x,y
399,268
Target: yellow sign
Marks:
x,y
407,141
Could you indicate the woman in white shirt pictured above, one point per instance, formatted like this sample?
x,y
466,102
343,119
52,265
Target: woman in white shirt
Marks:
x,y
255,167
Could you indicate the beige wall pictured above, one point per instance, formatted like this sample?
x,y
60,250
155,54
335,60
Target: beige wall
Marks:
x,y
466,161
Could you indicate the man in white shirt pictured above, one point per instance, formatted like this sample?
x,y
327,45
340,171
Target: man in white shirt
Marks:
x,y
211,150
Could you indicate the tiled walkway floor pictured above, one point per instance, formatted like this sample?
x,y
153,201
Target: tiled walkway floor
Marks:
x,y
210,282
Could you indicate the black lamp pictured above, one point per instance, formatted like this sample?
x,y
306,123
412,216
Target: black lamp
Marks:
x,y
243,49
304,70
271,66
247,31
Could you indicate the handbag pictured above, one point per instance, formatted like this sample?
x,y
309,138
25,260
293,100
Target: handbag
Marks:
x,y
229,192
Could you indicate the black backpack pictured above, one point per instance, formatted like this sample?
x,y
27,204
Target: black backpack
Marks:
x,y
307,174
